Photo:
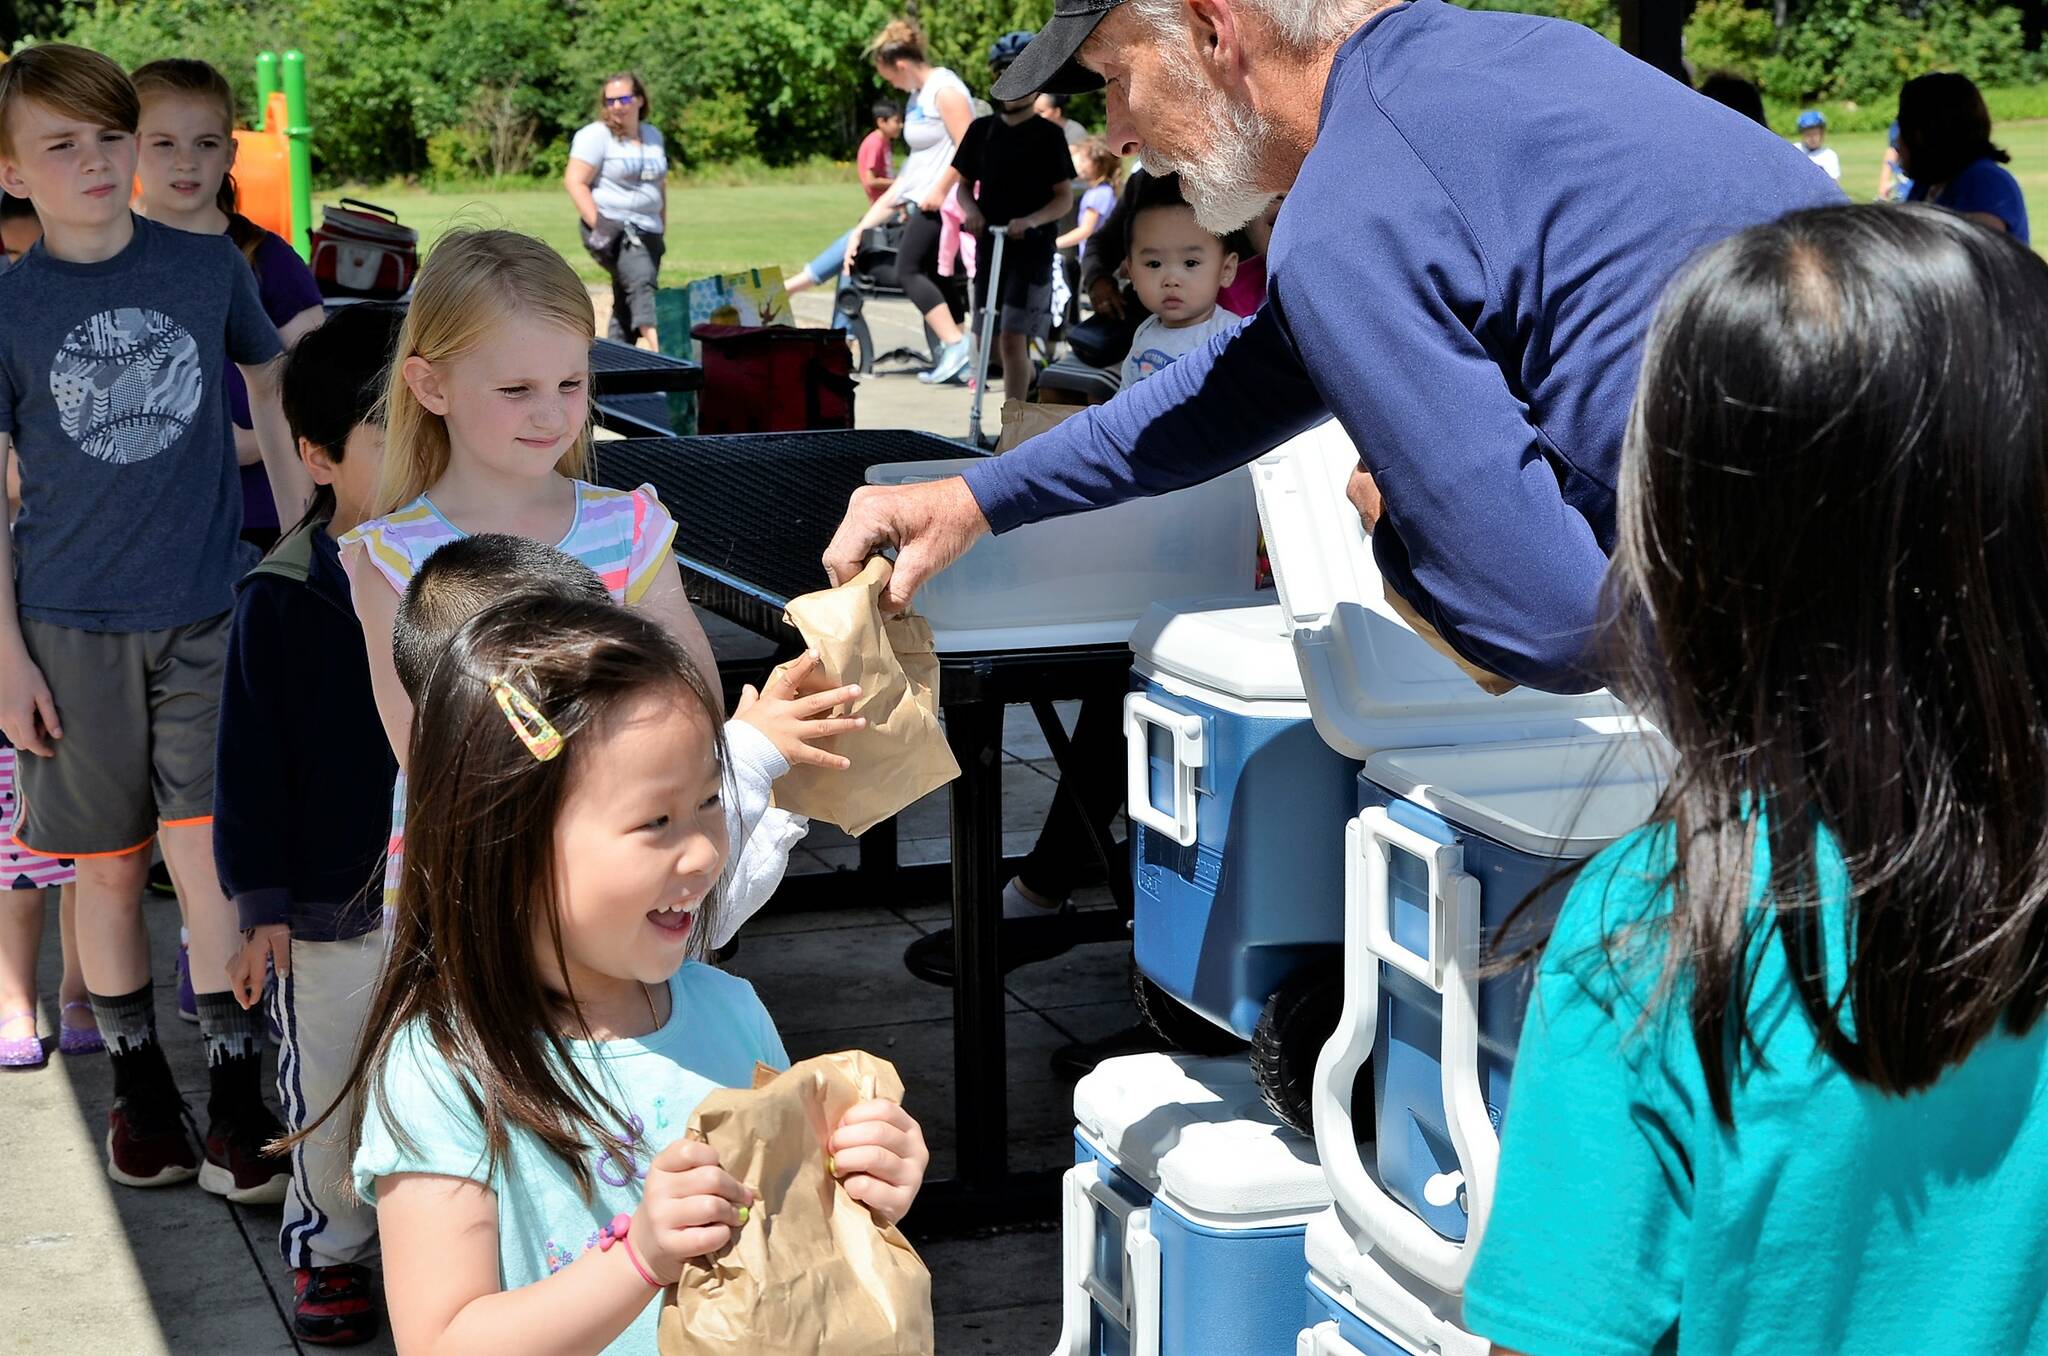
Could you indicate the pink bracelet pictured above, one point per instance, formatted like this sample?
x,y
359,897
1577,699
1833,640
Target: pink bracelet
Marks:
x,y
615,1232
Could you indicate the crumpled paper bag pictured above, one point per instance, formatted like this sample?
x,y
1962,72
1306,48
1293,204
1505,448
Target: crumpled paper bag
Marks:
x,y
902,755
1025,419
812,1272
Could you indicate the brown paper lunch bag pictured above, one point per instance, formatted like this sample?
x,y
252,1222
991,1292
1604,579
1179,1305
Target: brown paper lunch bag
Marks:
x,y
902,755
812,1272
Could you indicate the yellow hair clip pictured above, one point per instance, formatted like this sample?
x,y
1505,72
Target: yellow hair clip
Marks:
x,y
541,738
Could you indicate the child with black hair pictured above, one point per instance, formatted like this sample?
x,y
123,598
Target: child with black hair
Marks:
x,y
546,1026
470,574
1178,268
463,578
302,780
1783,1085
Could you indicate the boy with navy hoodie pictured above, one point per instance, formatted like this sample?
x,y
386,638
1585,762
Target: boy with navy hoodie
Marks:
x,y
302,794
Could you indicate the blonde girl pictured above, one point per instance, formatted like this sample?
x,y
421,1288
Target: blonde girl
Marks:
x,y
487,429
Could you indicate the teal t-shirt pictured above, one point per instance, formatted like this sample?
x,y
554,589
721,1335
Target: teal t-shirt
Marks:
x,y
1829,1218
717,1030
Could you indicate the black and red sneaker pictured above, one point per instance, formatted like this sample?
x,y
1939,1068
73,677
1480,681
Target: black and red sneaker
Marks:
x,y
237,1165
333,1306
146,1141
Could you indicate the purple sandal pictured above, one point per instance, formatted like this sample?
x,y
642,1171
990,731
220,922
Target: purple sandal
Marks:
x,y
22,1052
78,1040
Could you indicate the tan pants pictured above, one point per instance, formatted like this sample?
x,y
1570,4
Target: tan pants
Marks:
x,y
320,1006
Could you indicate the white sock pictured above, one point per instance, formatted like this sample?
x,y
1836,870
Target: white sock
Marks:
x,y
1017,904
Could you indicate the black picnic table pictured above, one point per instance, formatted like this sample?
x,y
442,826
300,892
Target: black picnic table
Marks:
x,y
755,512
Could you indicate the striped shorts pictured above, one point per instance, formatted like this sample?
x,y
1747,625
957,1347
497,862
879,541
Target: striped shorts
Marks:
x,y
23,870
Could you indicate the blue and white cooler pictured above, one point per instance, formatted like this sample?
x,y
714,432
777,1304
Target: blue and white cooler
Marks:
x,y
1250,721
1449,844
1236,806
1467,803
1183,1214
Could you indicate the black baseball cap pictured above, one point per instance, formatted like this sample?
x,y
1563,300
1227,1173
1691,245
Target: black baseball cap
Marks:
x,y
1048,64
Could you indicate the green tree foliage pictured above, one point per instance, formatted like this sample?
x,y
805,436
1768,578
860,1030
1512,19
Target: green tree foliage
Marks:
x,y
1858,49
20,19
460,88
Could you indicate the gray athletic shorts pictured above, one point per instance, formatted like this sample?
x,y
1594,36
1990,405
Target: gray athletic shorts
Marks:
x,y
140,710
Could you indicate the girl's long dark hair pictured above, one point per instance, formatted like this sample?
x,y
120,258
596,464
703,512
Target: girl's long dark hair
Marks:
x,y
478,882
1833,575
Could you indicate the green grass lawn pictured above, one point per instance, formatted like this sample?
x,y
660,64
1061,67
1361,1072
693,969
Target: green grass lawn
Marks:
x,y
711,230
719,230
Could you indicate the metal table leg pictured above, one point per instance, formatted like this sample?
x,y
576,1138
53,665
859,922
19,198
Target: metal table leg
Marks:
x,y
980,1042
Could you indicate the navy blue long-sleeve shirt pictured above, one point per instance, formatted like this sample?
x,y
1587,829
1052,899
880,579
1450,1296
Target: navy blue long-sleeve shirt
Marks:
x,y
303,770
1462,274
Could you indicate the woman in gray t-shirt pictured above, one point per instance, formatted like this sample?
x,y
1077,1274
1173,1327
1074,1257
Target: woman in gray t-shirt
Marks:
x,y
618,179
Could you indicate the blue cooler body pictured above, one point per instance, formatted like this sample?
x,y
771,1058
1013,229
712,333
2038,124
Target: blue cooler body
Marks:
x,y
1237,810
1184,1214
1449,843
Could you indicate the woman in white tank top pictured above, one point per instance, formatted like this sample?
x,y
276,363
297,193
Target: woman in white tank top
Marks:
x,y
937,117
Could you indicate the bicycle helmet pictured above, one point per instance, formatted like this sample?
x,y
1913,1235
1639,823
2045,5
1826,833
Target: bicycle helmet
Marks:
x,y
1008,48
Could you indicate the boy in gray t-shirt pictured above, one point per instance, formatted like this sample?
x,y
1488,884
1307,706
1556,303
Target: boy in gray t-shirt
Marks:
x,y
116,589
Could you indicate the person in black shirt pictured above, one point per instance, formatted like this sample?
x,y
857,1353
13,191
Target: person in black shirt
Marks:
x,y
1018,173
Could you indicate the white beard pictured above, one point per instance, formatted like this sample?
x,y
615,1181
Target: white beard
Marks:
x,y
1223,185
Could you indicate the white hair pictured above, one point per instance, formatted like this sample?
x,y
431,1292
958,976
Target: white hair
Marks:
x,y
1223,184
1299,23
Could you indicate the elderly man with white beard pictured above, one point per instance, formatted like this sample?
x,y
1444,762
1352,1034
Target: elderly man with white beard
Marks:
x,y
1475,236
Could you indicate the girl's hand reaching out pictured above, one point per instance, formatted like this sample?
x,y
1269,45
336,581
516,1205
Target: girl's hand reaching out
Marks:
x,y
689,1209
878,1152
794,713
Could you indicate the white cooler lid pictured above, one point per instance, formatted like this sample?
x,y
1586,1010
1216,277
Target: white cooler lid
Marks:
x,y
1371,682
1197,1133
1564,798
1236,645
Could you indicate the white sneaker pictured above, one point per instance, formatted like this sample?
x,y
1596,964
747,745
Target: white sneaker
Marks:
x,y
952,361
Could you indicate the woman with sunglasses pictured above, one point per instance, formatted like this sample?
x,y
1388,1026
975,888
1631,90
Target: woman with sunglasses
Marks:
x,y
618,179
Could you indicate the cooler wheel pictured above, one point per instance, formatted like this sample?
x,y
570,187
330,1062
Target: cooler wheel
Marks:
x,y
1293,1028
1177,1024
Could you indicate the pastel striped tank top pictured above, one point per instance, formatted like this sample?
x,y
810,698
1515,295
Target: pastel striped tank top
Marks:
x,y
624,537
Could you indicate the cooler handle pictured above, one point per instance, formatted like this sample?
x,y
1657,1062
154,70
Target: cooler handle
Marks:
x,y
1190,753
1141,1265
1451,969
370,209
1077,1236
1087,1190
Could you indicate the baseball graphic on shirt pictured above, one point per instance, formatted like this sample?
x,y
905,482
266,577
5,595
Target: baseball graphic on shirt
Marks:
x,y
127,384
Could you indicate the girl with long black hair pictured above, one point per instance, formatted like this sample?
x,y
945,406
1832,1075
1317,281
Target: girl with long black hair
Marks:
x,y
1784,1083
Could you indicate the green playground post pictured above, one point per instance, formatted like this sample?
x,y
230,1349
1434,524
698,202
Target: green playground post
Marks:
x,y
266,85
299,130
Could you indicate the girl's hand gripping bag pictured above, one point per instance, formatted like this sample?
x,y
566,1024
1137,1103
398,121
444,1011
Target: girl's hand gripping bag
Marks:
x,y
812,1272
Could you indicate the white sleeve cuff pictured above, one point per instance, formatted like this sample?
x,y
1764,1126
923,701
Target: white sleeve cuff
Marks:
x,y
753,754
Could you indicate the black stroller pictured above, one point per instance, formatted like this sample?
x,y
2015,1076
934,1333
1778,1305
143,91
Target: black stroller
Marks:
x,y
874,274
